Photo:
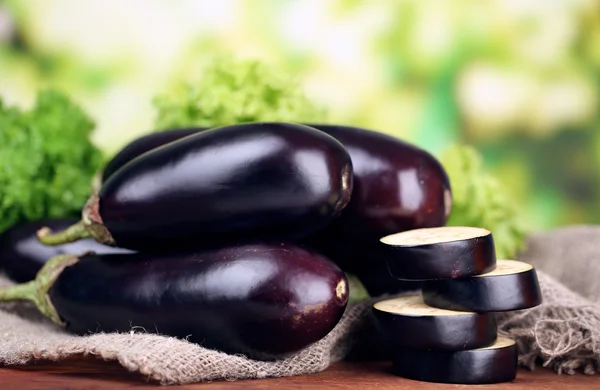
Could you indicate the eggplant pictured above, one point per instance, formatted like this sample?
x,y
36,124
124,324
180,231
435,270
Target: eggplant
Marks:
x,y
22,255
448,252
494,364
513,285
144,144
397,187
256,180
407,322
264,300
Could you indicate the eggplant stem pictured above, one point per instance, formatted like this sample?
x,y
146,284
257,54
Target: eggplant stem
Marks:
x,y
97,180
36,291
19,292
74,232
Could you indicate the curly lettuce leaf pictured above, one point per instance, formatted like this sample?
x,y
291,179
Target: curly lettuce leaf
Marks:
x,y
479,199
47,160
231,91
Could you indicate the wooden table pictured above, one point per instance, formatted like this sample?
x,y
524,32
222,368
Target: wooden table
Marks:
x,y
94,374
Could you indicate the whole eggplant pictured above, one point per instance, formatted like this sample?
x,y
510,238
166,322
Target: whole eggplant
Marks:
x,y
255,180
144,144
22,255
265,300
420,193
397,186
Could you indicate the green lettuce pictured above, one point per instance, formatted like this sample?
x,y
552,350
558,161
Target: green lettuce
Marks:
x,y
47,160
232,91
235,91
479,199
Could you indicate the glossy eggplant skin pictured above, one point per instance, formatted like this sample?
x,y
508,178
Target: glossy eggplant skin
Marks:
x,y
22,255
485,293
452,333
397,186
255,180
144,144
444,260
476,366
265,300
440,332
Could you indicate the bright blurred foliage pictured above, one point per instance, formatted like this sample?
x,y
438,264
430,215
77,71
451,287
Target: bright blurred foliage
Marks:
x,y
518,80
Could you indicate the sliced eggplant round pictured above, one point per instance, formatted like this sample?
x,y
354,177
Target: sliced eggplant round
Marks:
x,y
494,364
447,252
513,285
408,322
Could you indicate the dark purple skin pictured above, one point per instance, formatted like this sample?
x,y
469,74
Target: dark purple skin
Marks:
x,y
450,333
442,260
381,201
22,255
144,144
397,187
460,367
256,180
485,293
265,300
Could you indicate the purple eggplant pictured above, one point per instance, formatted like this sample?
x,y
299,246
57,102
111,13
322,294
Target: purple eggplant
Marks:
x,y
265,300
397,187
144,144
22,255
257,180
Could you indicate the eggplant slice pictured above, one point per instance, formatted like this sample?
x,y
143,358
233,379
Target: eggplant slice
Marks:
x,y
408,322
513,285
494,364
447,252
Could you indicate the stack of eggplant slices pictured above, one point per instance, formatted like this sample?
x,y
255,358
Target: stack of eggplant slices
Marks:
x,y
241,237
448,333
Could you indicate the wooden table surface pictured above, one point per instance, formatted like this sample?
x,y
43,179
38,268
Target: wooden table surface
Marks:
x,y
98,375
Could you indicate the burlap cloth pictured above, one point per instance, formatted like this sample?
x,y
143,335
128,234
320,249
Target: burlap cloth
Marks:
x,y
563,333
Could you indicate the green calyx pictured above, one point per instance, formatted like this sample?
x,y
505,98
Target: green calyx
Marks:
x,y
36,291
72,233
90,226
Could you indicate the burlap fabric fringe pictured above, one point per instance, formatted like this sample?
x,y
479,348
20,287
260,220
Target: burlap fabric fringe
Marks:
x,y
563,333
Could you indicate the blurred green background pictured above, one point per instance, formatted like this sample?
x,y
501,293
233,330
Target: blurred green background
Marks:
x,y
518,80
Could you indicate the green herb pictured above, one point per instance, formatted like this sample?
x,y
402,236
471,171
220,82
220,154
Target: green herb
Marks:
x,y
47,160
233,91
479,199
